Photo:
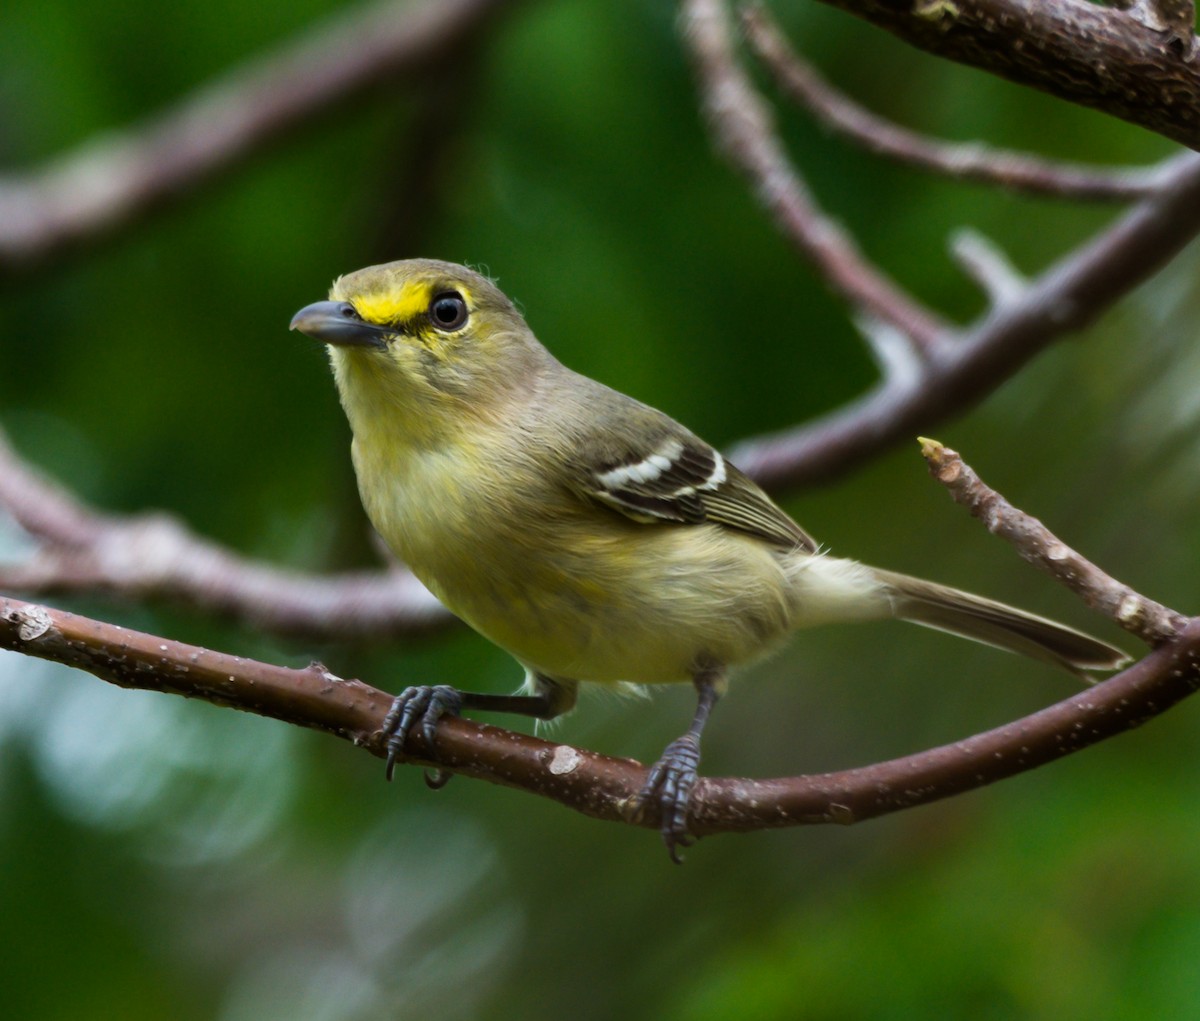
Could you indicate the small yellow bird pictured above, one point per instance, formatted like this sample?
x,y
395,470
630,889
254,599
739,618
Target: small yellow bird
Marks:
x,y
592,537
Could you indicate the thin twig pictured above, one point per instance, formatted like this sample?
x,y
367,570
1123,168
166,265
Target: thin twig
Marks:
x,y
1150,621
108,183
742,124
974,161
988,266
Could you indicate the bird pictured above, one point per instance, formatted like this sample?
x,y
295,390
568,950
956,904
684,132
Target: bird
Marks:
x,y
592,536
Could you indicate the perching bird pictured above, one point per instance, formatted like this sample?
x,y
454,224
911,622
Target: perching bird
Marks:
x,y
592,537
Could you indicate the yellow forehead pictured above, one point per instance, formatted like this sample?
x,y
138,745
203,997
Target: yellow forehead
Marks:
x,y
398,304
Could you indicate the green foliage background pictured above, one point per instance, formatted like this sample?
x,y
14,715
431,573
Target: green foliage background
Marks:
x,y
163,858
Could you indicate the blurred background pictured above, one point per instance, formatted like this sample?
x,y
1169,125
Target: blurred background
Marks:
x,y
165,858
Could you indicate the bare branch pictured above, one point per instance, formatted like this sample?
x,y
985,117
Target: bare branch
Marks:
x,y
973,161
988,266
743,127
1149,687
1150,621
1095,56
594,784
1069,295
892,350
108,183
152,555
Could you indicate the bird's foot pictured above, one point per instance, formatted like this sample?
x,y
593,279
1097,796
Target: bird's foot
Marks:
x,y
670,785
421,706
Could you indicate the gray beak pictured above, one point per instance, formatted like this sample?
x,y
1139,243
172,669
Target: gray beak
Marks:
x,y
336,322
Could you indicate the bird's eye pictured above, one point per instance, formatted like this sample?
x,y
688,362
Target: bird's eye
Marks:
x,y
348,311
448,311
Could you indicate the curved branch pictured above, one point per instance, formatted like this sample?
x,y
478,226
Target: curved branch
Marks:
x,y
108,183
598,785
1096,56
972,161
1163,678
1066,297
742,125
948,377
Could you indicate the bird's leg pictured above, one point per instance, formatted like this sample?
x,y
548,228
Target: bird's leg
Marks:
x,y
425,704
672,778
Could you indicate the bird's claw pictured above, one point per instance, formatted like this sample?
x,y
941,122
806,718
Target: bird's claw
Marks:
x,y
422,705
669,784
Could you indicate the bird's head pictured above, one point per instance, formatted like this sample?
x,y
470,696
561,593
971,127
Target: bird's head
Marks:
x,y
424,338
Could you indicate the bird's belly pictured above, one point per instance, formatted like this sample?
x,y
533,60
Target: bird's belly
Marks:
x,y
579,592
636,611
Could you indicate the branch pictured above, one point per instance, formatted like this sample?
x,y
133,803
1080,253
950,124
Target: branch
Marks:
x,y
947,377
1095,56
603,787
1068,296
107,184
742,125
983,261
974,161
1150,621
598,785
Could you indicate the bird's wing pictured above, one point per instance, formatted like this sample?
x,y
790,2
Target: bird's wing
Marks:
x,y
669,475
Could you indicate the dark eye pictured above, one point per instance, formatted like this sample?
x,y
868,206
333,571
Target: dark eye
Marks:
x,y
448,311
348,311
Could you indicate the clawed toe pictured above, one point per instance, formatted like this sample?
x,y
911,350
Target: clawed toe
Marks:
x,y
423,706
670,784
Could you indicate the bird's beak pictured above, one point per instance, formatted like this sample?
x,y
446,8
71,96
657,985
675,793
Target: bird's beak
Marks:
x,y
336,322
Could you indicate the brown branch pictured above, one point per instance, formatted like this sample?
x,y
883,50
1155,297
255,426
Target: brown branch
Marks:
x,y
1066,297
593,784
1150,621
974,161
1095,56
1145,690
107,184
743,128
950,376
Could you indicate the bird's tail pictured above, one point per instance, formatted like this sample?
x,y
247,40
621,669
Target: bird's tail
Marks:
x,y
984,620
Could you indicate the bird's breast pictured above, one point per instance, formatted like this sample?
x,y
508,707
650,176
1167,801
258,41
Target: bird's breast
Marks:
x,y
572,589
